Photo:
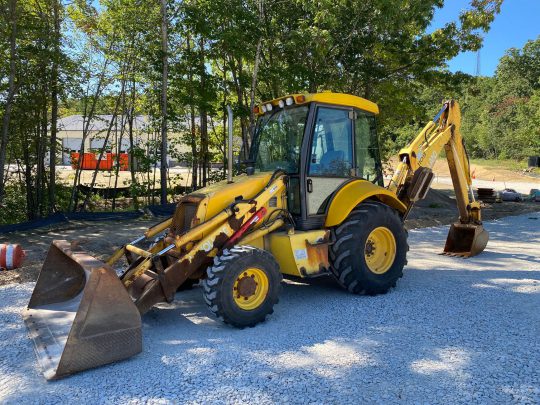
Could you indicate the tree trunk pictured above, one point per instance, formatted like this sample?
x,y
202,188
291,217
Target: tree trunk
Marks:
x,y
114,119
54,108
163,168
224,107
193,140
225,146
255,72
30,206
41,148
119,148
203,115
11,93
252,92
86,125
241,105
131,144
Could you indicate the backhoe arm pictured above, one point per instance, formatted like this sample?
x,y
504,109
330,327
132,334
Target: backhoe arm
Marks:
x,y
413,177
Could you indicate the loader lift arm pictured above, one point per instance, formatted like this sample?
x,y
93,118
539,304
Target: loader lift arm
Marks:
x,y
413,177
155,274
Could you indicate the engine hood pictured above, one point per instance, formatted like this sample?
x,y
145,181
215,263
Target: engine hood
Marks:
x,y
216,197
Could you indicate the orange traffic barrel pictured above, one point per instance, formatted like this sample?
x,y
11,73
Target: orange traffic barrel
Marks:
x,y
11,256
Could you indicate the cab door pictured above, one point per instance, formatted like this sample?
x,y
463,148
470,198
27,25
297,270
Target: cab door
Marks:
x,y
330,161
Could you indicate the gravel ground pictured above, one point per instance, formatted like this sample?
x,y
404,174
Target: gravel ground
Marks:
x,y
453,331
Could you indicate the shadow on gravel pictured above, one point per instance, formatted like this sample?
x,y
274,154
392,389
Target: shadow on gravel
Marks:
x,y
496,257
452,331
322,343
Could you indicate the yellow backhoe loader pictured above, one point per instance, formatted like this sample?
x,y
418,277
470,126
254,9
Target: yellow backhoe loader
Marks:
x,y
312,203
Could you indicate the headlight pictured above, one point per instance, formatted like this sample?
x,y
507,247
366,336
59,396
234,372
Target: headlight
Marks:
x,y
289,101
281,104
268,107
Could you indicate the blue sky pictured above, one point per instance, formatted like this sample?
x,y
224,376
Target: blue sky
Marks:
x,y
518,21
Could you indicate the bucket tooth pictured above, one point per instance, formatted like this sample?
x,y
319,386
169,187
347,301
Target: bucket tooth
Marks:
x,y
80,314
465,240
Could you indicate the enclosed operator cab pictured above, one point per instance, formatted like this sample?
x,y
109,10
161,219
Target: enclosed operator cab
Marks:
x,y
322,141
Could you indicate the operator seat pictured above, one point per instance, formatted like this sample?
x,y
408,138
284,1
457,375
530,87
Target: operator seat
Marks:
x,y
331,162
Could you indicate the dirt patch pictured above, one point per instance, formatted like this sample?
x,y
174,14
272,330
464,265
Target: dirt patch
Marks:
x,y
479,171
100,239
439,208
490,173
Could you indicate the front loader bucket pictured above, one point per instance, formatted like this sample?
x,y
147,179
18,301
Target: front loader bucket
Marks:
x,y
80,314
465,240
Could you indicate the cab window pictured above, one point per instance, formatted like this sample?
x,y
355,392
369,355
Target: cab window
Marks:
x,y
331,149
278,140
367,161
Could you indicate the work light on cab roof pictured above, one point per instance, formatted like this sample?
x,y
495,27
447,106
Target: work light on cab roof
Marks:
x,y
280,102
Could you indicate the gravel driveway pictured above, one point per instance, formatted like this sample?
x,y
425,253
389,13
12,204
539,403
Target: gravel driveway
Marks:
x,y
453,331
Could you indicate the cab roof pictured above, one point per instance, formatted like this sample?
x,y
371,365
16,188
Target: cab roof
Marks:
x,y
326,97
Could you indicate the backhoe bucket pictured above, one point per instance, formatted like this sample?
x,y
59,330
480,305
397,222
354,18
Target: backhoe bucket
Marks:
x,y
80,314
465,240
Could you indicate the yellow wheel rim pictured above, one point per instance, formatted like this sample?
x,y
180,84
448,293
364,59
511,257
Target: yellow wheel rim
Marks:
x,y
250,289
380,250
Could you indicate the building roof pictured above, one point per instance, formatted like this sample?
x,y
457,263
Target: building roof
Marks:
x,y
98,123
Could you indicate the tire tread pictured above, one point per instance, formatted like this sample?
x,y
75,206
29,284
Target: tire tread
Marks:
x,y
344,264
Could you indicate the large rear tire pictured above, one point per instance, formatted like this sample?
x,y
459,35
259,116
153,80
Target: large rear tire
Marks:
x,y
242,286
369,249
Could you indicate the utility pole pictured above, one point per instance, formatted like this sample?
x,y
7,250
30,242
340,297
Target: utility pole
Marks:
x,y
163,168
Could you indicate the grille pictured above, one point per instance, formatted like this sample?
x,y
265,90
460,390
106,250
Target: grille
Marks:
x,y
189,212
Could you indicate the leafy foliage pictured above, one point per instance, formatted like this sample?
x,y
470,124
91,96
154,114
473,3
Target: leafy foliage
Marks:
x,y
108,58
501,113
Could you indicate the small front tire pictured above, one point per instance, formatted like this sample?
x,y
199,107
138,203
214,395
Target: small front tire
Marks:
x,y
242,286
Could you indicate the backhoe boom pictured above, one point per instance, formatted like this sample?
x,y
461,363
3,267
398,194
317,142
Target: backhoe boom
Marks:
x,y
413,176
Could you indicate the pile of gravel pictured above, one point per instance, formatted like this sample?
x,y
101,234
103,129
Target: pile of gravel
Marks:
x,y
453,331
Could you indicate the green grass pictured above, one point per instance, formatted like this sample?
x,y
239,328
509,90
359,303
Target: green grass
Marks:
x,y
508,164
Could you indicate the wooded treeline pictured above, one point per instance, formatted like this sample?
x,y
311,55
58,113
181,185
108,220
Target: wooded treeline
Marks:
x,y
182,62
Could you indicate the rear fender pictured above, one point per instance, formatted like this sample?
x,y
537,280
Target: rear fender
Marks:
x,y
353,193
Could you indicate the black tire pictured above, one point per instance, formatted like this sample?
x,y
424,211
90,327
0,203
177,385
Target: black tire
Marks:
x,y
349,249
227,269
